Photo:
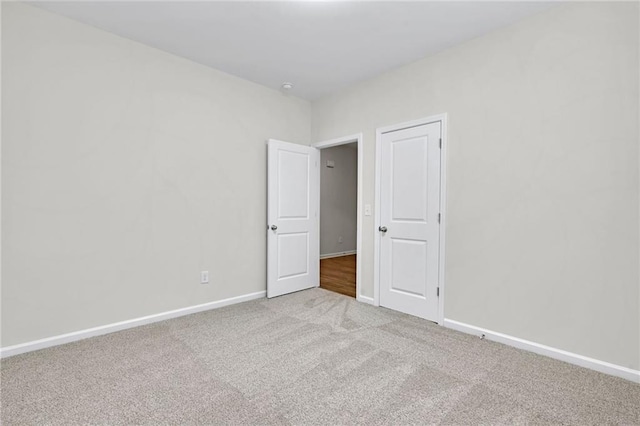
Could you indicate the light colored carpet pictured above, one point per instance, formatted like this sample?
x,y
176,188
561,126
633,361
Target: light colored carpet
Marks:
x,y
312,357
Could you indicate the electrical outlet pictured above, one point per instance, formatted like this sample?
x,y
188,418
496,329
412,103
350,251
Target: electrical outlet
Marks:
x,y
340,239
204,277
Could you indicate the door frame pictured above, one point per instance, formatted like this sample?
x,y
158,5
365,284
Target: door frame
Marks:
x,y
337,142
442,118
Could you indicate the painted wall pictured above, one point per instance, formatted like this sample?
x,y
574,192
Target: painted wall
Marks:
x,y
338,199
125,172
542,214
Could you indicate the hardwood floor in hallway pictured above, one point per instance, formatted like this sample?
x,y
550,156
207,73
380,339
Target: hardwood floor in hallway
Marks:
x,y
338,274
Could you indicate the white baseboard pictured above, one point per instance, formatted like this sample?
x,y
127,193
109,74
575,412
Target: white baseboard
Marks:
x,y
342,253
365,299
571,358
123,325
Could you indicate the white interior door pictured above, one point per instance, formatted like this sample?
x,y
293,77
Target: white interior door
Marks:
x,y
409,229
292,204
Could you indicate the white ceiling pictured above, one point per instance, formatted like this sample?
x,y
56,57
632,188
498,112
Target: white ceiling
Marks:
x,y
320,47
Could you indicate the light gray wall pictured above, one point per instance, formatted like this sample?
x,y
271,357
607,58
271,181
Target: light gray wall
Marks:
x,y
338,199
542,224
125,172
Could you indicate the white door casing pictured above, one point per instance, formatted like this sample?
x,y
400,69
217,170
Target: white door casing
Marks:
x,y
292,212
409,212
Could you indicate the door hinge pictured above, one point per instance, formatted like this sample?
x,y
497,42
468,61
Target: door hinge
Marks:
x,y
439,217
440,143
438,291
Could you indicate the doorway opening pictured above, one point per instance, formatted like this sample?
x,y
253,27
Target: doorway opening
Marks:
x,y
340,214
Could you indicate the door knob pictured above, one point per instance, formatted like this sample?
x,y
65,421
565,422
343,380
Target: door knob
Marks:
x,y
382,229
273,227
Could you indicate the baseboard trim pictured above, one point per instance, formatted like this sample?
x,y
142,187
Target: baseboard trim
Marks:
x,y
342,253
123,325
571,358
365,299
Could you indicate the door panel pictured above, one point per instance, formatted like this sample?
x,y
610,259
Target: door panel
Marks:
x,y
293,254
408,157
292,204
409,208
409,267
293,185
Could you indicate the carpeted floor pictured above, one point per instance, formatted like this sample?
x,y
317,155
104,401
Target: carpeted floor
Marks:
x,y
312,357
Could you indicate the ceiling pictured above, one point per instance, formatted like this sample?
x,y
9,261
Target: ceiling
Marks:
x,y
320,47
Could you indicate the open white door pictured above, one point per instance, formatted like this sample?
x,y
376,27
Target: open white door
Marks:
x,y
292,213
